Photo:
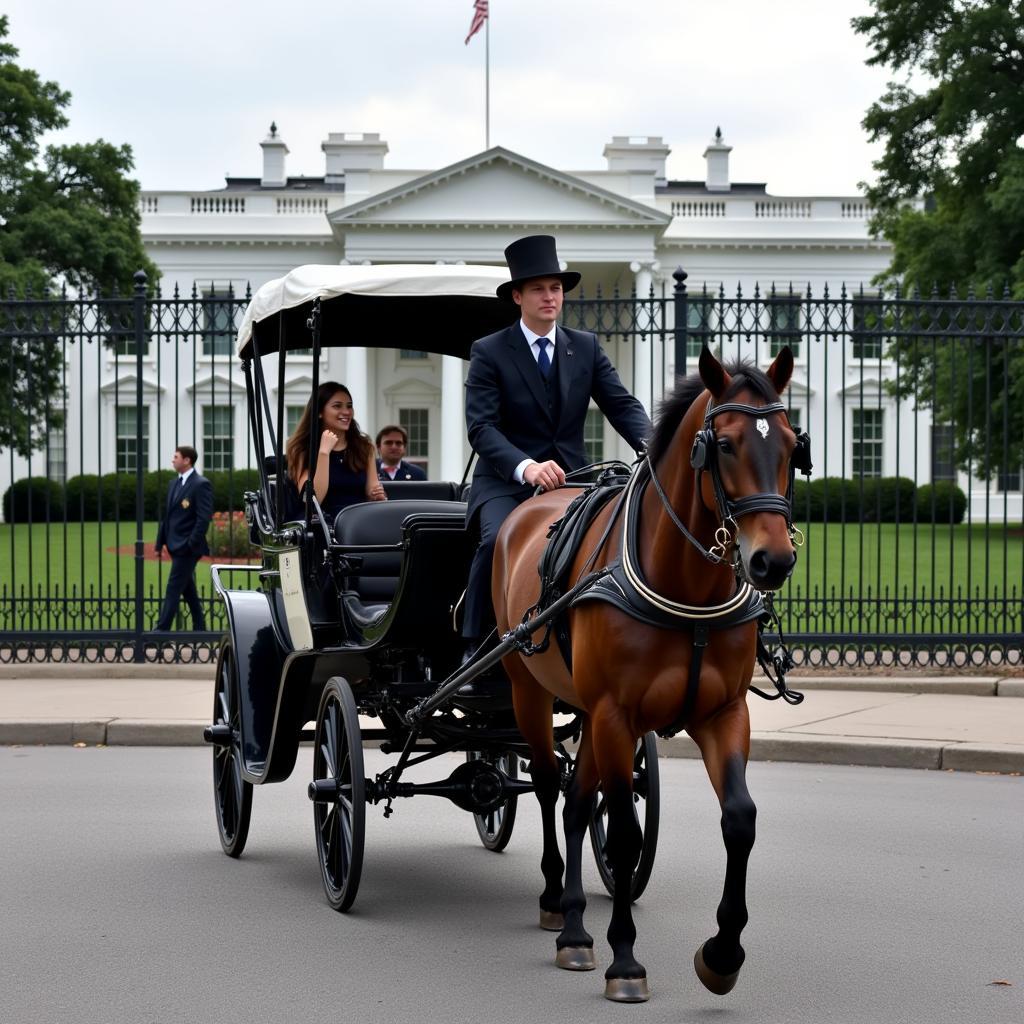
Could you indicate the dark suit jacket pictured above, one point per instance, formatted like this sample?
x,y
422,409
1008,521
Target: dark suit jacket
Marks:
x,y
508,416
187,517
406,471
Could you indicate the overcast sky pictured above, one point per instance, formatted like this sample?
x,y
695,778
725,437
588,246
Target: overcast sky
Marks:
x,y
193,86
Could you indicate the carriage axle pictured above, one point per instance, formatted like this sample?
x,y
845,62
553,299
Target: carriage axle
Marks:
x,y
475,786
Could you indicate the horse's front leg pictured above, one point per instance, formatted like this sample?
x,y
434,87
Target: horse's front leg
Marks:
x,y
534,708
725,746
575,944
614,747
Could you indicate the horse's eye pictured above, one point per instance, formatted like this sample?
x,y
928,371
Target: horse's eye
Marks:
x,y
725,445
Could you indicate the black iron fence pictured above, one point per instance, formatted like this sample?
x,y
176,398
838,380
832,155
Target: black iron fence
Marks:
x,y
914,548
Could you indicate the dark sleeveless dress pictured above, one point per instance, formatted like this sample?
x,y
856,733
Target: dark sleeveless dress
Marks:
x,y
344,486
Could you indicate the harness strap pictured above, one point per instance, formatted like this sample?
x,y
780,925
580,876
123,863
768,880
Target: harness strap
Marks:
x,y
700,642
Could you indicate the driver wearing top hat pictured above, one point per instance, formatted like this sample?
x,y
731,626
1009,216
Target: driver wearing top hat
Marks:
x,y
527,394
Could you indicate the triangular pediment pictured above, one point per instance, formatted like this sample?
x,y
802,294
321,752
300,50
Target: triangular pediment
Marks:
x,y
498,187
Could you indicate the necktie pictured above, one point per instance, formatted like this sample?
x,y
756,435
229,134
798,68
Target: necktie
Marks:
x,y
543,360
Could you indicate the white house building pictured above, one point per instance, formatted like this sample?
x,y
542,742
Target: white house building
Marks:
x,y
626,226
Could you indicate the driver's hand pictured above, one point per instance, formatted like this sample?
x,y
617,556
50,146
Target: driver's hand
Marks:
x,y
546,475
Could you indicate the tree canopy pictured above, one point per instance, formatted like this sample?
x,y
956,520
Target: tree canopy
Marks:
x,y
953,132
68,215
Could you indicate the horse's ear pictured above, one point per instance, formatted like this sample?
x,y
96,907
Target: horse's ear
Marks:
x,y
716,380
781,369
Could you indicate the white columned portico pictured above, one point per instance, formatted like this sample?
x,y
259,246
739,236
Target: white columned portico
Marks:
x,y
357,382
452,419
643,351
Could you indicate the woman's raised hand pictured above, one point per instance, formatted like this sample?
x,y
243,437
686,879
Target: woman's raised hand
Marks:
x,y
328,439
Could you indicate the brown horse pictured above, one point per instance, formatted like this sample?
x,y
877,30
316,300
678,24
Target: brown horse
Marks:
x,y
720,457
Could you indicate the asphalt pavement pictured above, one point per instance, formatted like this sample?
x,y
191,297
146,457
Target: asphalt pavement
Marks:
x,y
904,720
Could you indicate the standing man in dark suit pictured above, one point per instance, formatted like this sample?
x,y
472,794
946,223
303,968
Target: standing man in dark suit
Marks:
x,y
527,394
183,532
391,465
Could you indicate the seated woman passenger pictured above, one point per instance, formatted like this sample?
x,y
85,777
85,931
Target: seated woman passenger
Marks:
x,y
345,472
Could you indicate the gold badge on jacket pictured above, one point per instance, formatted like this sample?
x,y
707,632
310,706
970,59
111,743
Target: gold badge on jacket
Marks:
x,y
185,503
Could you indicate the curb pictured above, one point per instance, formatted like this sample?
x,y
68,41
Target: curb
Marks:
x,y
868,752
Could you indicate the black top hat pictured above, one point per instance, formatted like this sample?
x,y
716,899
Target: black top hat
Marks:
x,y
534,256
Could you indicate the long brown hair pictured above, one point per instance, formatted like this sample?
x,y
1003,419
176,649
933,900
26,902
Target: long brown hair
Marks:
x,y
358,450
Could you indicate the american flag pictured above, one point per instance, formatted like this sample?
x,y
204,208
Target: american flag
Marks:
x,y
479,17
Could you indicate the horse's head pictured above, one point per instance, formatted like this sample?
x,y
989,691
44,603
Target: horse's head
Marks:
x,y
744,455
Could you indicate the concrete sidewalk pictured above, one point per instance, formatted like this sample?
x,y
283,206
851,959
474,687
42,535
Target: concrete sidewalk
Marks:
x,y
969,723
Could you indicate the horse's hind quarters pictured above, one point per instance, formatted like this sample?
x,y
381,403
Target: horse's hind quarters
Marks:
x,y
576,958
720,984
627,990
551,920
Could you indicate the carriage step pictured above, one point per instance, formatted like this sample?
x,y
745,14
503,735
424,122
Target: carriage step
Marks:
x,y
219,735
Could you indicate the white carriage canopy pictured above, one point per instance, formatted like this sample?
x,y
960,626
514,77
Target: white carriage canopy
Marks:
x,y
441,309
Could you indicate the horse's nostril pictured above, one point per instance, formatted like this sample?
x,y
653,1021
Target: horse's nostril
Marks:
x,y
771,571
759,565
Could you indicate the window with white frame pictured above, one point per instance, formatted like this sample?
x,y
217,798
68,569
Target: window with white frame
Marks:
x,y
127,450
699,313
219,327
867,442
56,455
1009,479
417,425
868,328
593,435
218,437
785,318
292,415
796,418
412,353
943,461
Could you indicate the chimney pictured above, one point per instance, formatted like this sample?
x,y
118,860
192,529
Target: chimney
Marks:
x,y
717,156
638,153
274,152
352,151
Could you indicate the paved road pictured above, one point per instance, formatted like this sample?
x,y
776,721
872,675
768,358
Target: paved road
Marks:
x,y
876,895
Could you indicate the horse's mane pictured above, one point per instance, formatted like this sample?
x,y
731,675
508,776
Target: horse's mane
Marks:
x,y
672,410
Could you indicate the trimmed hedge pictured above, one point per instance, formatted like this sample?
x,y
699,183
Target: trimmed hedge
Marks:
x,y
829,499
110,497
27,500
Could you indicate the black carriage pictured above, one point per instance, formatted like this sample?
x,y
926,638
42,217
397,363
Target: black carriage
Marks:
x,y
356,617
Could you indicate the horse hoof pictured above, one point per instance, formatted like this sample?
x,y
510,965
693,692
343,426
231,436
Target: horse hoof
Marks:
x,y
720,984
551,921
575,958
627,990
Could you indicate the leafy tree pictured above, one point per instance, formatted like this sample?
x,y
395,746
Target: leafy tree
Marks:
x,y
952,130
68,216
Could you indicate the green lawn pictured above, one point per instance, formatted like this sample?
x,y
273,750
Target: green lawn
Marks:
x,y
855,579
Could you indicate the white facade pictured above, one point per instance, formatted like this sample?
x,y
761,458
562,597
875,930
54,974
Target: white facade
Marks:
x,y
624,226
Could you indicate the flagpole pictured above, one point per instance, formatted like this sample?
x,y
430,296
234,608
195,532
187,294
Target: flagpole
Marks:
x,y
487,80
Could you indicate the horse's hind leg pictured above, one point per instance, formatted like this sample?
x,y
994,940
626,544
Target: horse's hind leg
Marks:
x,y
725,746
614,746
533,706
575,944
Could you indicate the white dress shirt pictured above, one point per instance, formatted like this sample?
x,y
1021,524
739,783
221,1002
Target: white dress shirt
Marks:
x,y
531,339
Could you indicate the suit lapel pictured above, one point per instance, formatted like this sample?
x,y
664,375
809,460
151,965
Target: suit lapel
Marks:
x,y
567,363
523,359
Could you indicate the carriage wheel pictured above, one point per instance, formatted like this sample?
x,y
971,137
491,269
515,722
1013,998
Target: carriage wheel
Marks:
x,y
647,798
338,792
495,826
232,795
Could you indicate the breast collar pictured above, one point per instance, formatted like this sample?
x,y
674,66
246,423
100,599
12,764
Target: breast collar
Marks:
x,y
627,589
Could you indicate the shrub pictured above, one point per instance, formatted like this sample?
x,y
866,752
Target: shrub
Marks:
x,y
888,499
834,500
947,497
28,500
116,497
229,487
80,498
228,536
154,492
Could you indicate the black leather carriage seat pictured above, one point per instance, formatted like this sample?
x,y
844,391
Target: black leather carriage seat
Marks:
x,y
292,506
371,588
422,490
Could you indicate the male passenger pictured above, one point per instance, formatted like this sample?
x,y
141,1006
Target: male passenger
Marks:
x,y
527,394
392,442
